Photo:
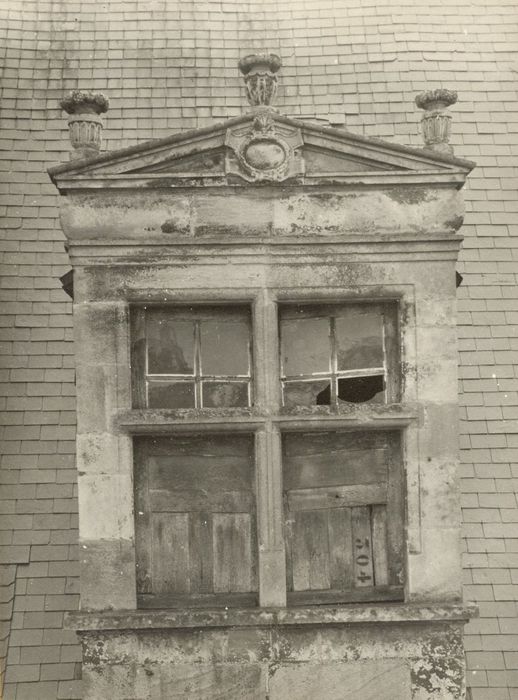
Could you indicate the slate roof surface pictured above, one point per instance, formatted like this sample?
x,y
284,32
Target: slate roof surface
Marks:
x,y
168,67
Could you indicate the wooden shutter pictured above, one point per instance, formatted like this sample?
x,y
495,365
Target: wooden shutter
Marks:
x,y
343,517
195,521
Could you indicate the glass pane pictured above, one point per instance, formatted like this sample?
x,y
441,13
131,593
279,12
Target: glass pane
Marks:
x,y
306,346
171,395
359,339
224,347
220,394
170,345
312,393
362,389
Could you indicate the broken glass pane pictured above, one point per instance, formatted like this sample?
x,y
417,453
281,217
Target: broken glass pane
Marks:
x,y
224,347
171,394
359,339
362,389
221,394
306,347
311,393
170,345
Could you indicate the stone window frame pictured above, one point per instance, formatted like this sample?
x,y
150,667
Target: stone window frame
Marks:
x,y
268,426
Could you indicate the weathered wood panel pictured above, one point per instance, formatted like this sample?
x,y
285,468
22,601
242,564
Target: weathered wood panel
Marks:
x,y
379,544
170,554
340,548
232,552
201,554
337,534
362,547
201,500
195,515
337,497
331,459
310,551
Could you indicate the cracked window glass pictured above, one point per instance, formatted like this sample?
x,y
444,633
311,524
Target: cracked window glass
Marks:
x,y
334,355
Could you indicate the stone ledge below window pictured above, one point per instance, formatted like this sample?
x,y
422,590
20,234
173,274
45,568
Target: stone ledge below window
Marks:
x,y
85,621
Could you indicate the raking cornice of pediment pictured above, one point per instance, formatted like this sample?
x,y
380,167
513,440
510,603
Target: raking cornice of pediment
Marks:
x,y
261,147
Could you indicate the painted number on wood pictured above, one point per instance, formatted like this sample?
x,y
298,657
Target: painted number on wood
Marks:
x,y
363,571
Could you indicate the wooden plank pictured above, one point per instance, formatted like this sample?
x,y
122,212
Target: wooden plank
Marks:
x,y
200,547
354,595
138,356
310,551
213,462
332,459
379,544
143,535
193,600
395,514
337,497
201,500
232,552
170,556
362,547
336,466
341,571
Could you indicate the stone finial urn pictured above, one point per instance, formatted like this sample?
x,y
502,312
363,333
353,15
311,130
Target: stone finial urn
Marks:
x,y
260,80
435,122
85,122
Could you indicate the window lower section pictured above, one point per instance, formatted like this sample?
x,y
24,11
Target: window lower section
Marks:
x,y
196,539
196,528
343,517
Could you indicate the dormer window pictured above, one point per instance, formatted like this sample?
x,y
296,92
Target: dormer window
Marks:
x,y
196,494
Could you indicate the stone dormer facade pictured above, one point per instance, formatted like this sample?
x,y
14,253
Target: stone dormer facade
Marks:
x,y
264,315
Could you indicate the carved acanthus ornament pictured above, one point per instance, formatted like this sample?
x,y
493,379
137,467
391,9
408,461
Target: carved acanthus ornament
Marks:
x,y
435,122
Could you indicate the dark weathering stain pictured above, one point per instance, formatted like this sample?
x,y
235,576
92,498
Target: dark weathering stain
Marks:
x,y
408,195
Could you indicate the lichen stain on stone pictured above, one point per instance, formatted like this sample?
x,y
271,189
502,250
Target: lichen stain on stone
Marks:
x,y
281,649
408,195
440,671
94,654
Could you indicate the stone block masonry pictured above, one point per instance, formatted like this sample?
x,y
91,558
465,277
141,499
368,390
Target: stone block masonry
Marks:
x,y
170,66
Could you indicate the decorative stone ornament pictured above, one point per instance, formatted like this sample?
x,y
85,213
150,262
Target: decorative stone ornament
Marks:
x,y
85,123
435,122
264,150
260,79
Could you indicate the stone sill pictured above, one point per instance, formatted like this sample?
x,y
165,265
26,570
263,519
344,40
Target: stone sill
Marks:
x,y
86,621
356,416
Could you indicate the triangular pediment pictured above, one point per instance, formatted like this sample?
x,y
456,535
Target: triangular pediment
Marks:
x,y
260,148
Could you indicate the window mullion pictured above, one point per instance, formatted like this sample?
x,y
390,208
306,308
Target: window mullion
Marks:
x,y
197,366
139,368
334,362
272,559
